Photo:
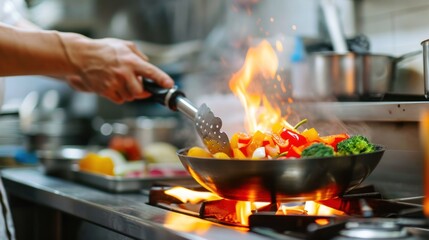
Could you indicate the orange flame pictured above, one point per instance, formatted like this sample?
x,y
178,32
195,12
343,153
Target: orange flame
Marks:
x,y
309,208
261,64
244,209
185,195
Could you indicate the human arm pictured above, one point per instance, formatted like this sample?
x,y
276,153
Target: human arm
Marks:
x,y
109,67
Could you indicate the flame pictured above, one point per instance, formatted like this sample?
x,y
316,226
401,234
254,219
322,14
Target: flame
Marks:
x,y
314,208
185,195
244,209
309,208
261,64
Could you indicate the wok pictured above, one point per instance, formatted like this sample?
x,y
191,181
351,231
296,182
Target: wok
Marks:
x,y
281,180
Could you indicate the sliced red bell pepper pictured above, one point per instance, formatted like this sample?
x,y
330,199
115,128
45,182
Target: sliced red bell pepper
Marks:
x,y
294,152
240,140
295,139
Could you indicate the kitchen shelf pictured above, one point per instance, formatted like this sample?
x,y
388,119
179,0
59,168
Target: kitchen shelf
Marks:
x,y
364,111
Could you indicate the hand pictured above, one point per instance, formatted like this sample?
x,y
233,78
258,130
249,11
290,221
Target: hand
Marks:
x,y
112,68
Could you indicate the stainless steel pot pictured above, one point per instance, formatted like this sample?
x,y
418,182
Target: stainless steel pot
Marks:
x,y
281,180
425,45
353,75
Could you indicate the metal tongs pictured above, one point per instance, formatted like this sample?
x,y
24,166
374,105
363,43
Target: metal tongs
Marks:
x,y
208,126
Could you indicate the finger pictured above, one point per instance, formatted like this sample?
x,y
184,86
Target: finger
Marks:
x,y
123,90
119,98
135,86
114,97
135,50
144,95
140,80
148,70
76,83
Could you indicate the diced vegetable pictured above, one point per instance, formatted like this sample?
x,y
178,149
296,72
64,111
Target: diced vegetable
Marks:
x,y
221,155
310,134
259,153
272,150
126,145
199,152
239,140
95,163
237,153
295,139
282,143
293,152
318,150
355,145
333,140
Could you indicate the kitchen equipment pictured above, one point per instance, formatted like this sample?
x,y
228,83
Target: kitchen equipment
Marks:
x,y
353,75
162,22
52,133
207,125
359,44
135,216
281,180
334,27
48,126
120,184
63,160
425,45
148,130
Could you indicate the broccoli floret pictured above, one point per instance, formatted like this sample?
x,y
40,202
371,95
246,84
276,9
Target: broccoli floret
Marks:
x,y
355,145
318,150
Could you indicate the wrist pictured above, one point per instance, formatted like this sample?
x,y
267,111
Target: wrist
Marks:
x,y
73,46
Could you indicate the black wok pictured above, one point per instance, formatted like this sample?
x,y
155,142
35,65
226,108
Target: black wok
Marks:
x,y
281,180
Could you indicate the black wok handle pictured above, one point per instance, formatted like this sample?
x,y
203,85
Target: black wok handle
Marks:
x,y
165,96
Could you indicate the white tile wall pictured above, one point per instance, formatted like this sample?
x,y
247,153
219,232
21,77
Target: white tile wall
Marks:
x,y
290,12
380,7
397,27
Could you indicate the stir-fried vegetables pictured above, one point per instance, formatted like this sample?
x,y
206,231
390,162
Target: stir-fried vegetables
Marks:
x,y
285,141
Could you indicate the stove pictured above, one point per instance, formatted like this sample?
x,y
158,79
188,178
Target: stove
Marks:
x,y
362,213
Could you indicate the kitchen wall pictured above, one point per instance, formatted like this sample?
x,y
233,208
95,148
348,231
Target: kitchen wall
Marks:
x,y
397,27
394,26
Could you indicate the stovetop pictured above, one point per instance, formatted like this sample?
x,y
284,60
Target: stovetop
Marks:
x,y
133,215
367,216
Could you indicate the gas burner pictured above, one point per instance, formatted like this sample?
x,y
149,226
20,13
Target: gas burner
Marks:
x,y
373,229
359,214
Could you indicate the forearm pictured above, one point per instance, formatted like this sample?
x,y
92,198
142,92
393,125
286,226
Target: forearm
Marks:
x,y
112,68
33,52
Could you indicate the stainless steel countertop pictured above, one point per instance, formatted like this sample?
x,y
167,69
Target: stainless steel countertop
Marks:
x,y
125,213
